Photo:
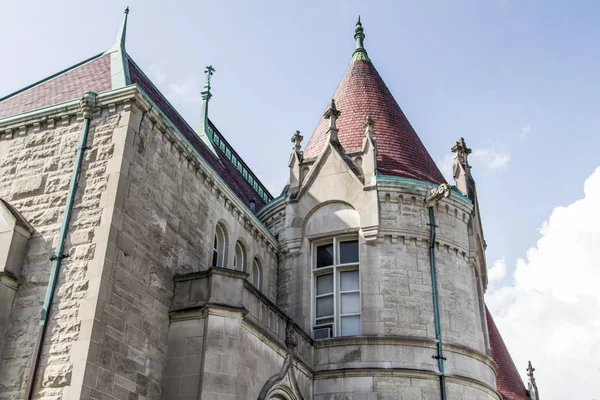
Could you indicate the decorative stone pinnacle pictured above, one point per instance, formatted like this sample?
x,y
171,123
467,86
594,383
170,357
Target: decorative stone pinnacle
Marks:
x,y
369,126
461,147
359,35
331,114
297,140
530,371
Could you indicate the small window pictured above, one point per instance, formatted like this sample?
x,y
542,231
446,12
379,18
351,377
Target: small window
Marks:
x,y
239,258
256,274
336,291
219,247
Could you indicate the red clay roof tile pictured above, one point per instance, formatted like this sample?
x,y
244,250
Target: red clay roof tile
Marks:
x,y
362,92
508,381
92,76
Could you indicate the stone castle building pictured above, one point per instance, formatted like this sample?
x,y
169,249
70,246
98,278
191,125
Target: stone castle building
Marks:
x,y
142,258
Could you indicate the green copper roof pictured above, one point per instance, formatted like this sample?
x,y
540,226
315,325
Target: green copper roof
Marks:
x,y
203,130
118,58
360,53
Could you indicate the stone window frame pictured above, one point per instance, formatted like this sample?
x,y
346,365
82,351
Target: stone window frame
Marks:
x,y
219,246
335,269
239,257
256,273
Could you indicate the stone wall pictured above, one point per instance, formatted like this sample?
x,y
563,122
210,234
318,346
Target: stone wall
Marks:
x,y
36,163
393,386
164,209
242,334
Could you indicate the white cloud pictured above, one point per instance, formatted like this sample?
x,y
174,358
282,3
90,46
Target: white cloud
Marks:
x,y
490,159
445,166
486,159
184,91
550,314
178,92
524,131
156,73
496,273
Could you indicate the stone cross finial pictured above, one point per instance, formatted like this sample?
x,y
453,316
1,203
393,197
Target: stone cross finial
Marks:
x,y
332,114
369,126
297,140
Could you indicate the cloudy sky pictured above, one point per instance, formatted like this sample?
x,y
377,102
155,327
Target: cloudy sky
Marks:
x,y
517,79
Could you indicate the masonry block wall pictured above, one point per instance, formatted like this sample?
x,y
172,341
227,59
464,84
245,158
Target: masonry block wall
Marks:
x,y
36,164
163,221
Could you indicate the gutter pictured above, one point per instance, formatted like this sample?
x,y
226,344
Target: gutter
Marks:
x,y
87,102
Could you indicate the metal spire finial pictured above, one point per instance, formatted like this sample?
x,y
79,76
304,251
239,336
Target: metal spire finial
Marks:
x,y
359,35
209,71
123,31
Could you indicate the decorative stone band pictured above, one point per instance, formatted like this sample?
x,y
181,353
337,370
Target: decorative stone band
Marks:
x,y
403,353
9,281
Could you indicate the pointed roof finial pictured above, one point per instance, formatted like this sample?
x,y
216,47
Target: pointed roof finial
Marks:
x,y
209,71
359,35
204,131
123,31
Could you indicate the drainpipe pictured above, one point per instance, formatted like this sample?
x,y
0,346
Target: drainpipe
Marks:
x,y
436,307
435,195
86,104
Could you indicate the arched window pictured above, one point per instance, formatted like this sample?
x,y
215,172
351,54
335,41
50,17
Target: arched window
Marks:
x,y
219,247
239,257
256,274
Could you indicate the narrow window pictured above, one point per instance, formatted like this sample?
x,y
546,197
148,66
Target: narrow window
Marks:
x,y
239,258
336,305
219,247
256,274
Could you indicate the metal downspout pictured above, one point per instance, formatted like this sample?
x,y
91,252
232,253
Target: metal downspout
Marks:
x,y
436,307
86,104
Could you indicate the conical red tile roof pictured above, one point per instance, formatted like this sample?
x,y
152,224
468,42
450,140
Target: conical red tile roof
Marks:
x,y
508,381
362,92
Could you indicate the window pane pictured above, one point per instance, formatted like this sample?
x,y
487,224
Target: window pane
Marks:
x,y
349,280
323,321
256,275
324,306
325,255
349,252
351,326
324,284
350,303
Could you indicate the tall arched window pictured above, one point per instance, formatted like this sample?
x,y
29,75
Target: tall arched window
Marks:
x,y
239,257
256,274
219,247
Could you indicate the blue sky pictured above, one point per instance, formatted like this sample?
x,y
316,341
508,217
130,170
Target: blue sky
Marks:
x,y
517,79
